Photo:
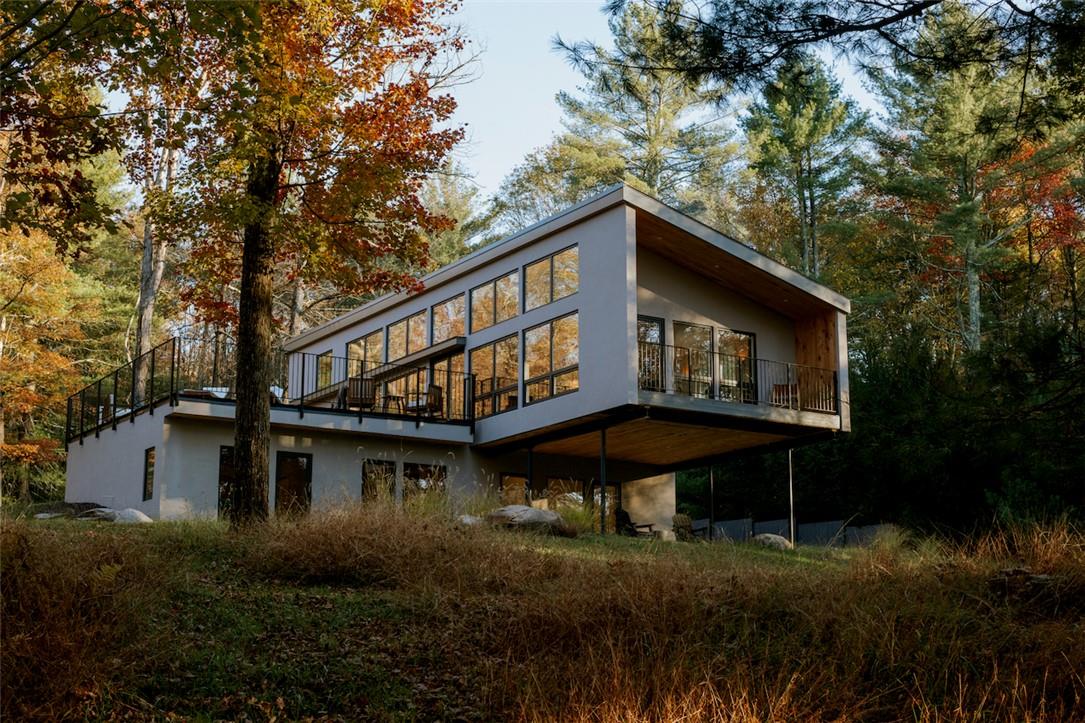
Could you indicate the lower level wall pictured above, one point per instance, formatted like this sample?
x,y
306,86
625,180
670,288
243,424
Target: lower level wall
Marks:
x,y
108,470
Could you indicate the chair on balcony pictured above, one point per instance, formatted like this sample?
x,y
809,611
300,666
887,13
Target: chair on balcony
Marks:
x,y
430,404
361,393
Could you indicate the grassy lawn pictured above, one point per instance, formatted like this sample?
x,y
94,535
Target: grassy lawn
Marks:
x,y
377,615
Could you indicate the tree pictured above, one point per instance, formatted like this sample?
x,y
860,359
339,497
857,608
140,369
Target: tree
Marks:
x,y
649,127
802,137
743,42
317,130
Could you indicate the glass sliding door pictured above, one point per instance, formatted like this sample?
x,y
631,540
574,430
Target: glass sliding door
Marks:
x,y
651,371
693,359
736,371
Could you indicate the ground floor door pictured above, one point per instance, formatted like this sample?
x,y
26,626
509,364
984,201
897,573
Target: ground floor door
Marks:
x,y
293,483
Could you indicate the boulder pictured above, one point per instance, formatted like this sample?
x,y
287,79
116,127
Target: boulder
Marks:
x,y
522,517
773,542
129,516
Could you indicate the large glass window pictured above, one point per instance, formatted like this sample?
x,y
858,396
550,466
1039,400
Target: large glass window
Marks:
x,y
495,366
416,332
551,358
650,353
448,317
692,359
397,340
370,349
495,301
324,370
552,278
421,479
513,489
736,355
378,480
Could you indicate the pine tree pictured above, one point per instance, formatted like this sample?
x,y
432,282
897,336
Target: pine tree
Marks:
x,y
802,137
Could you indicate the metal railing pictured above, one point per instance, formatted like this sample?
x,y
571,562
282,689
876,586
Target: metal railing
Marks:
x,y
206,369
726,377
127,391
420,391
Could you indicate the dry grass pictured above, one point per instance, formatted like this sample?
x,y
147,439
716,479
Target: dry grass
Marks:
x,y
617,630
67,614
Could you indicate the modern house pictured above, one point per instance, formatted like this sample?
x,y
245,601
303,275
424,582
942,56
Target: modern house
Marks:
x,y
619,341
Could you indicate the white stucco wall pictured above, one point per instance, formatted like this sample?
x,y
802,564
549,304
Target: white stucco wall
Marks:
x,y
191,487
671,292
108,470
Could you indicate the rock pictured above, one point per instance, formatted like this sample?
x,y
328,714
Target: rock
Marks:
x,y
522,517
470,520
129,516
49,515
773,542
101,514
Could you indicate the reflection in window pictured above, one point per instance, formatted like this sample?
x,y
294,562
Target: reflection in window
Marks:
x,y
552,278
736,355
495,301
513,489
560,493
397,340
448,319
324,370
551,358
370,349
692,359
494,367
378,480
421,479
416,332
507,297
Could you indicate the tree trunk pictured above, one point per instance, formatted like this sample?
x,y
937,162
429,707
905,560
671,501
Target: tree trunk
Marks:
x,y
972,279
252,429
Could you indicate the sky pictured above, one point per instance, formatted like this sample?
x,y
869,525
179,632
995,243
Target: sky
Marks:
x,y
509,107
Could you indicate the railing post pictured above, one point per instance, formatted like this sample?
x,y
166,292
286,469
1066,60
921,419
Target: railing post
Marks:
x,y
82,412
301,399
132,402
98,409
68,424
113,400
150,381
174,356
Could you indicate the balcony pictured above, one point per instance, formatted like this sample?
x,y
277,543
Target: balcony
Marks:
x,y
201,371
728,378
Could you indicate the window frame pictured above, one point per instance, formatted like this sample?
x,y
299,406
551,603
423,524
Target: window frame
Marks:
x,y
492,283
148,473
553,373
495,393
549,260
433,318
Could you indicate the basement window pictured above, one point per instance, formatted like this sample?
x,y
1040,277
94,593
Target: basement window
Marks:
x,y
148,474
